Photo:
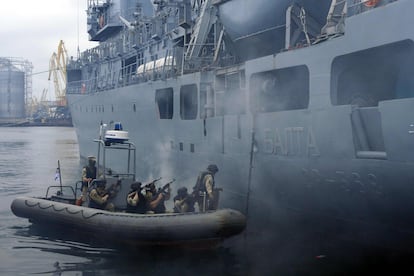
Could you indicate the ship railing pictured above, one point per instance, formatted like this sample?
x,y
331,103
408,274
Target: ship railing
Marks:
x,y
207,63
61,194
360,6
101,53
125,146
125,76
96,3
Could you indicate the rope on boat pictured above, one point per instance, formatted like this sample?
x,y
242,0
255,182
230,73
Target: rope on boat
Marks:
x,y
37,204
82,212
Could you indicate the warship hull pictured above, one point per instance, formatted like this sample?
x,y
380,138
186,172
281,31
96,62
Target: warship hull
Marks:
x,y
314,140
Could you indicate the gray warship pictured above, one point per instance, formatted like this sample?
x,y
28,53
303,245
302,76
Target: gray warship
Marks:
x,y
306,107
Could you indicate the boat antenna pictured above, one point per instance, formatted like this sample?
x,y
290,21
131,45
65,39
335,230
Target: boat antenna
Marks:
x,y
99,146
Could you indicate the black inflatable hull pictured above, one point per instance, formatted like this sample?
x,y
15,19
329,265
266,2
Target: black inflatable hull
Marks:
x,y
169,228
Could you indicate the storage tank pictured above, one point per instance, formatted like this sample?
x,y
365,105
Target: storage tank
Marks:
x,y
257,27
12,90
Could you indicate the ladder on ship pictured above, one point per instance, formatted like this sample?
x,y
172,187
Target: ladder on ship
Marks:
x,y
201,30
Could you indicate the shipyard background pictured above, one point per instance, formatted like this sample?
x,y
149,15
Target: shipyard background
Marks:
x,y
28,91
18,105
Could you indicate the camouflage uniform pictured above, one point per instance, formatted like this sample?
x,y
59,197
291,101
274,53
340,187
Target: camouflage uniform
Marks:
x,y
98,198
155,201
205,193
183,202
88,174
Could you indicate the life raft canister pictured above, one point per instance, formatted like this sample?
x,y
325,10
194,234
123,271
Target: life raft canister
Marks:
x,y
371,3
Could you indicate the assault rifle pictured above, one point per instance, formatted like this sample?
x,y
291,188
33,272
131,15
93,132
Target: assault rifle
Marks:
x,y
189,199
113,190
147,186
164,189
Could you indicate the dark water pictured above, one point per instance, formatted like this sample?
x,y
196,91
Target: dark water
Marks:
x,y
28,160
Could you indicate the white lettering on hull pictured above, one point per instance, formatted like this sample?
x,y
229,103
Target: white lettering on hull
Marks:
x,y
291,141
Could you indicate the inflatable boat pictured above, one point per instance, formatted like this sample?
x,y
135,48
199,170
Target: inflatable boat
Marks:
x,y
146,229
62,208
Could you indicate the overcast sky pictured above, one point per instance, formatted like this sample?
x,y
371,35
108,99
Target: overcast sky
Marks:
x,y
31,30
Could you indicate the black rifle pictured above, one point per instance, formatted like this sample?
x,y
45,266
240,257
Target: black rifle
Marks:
x,y
113,190
189,199
164,189
148,185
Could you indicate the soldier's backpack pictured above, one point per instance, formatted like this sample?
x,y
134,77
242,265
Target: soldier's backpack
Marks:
x,y
199,186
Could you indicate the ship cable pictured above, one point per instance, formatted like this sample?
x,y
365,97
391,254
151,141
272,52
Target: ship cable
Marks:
x,y
249,180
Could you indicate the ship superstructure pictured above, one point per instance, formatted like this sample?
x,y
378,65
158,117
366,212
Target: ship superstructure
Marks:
x,y
305,106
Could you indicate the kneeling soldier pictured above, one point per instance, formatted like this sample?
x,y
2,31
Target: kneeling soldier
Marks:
x,y
136,201
183,202
98,197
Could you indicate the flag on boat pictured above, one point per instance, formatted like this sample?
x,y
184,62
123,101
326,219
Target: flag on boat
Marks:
x,y
57,175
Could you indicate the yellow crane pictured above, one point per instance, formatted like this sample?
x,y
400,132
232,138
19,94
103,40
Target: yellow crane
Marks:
x,y
57,68
43,98
32,106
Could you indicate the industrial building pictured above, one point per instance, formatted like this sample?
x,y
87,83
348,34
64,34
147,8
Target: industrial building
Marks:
x,y
15,88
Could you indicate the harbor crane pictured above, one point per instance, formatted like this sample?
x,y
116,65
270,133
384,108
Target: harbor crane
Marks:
x,y
57,69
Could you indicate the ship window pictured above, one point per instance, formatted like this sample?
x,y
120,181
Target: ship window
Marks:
x,y
367,77
188,102
280,90
164,103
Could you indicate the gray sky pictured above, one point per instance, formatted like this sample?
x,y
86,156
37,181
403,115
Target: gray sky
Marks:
x,y
31,30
